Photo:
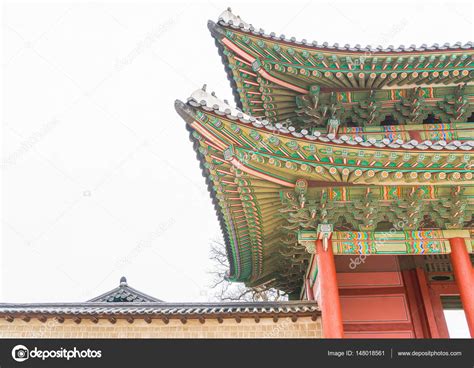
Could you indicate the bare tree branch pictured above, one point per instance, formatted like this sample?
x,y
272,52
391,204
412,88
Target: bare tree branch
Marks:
x,y
225,290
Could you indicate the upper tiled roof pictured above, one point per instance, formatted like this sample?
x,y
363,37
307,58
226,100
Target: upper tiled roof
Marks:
x,y
269,76
227,18
124,294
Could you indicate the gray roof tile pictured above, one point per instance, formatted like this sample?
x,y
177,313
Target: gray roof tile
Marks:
x,y
160,309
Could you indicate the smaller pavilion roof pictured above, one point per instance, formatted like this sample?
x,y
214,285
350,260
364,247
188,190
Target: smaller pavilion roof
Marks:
x,y
124,294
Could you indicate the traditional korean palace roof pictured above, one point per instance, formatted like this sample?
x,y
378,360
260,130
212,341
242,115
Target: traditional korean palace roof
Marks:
x,y
129,303
279,78
317,141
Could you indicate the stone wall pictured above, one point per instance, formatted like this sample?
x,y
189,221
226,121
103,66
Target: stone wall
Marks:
x,y
304,327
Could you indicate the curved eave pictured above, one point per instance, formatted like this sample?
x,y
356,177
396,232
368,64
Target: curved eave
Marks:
x,y
181,109
225,62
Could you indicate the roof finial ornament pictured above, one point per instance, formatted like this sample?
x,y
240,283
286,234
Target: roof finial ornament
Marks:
x,y
230,18
123,281
204,87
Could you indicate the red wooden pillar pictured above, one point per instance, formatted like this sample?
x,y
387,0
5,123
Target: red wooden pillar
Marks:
x,y
428,306
464,275
330,303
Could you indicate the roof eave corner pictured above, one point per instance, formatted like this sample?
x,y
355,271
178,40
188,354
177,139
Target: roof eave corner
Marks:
x,y
185,111
216,30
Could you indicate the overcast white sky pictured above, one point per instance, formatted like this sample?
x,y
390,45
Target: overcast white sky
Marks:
x,y
99,177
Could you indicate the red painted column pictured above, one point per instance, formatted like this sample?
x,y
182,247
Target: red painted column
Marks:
x,y
464,275
428,307
330,303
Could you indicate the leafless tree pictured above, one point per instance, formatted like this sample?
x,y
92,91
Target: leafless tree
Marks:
x,y
225,290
